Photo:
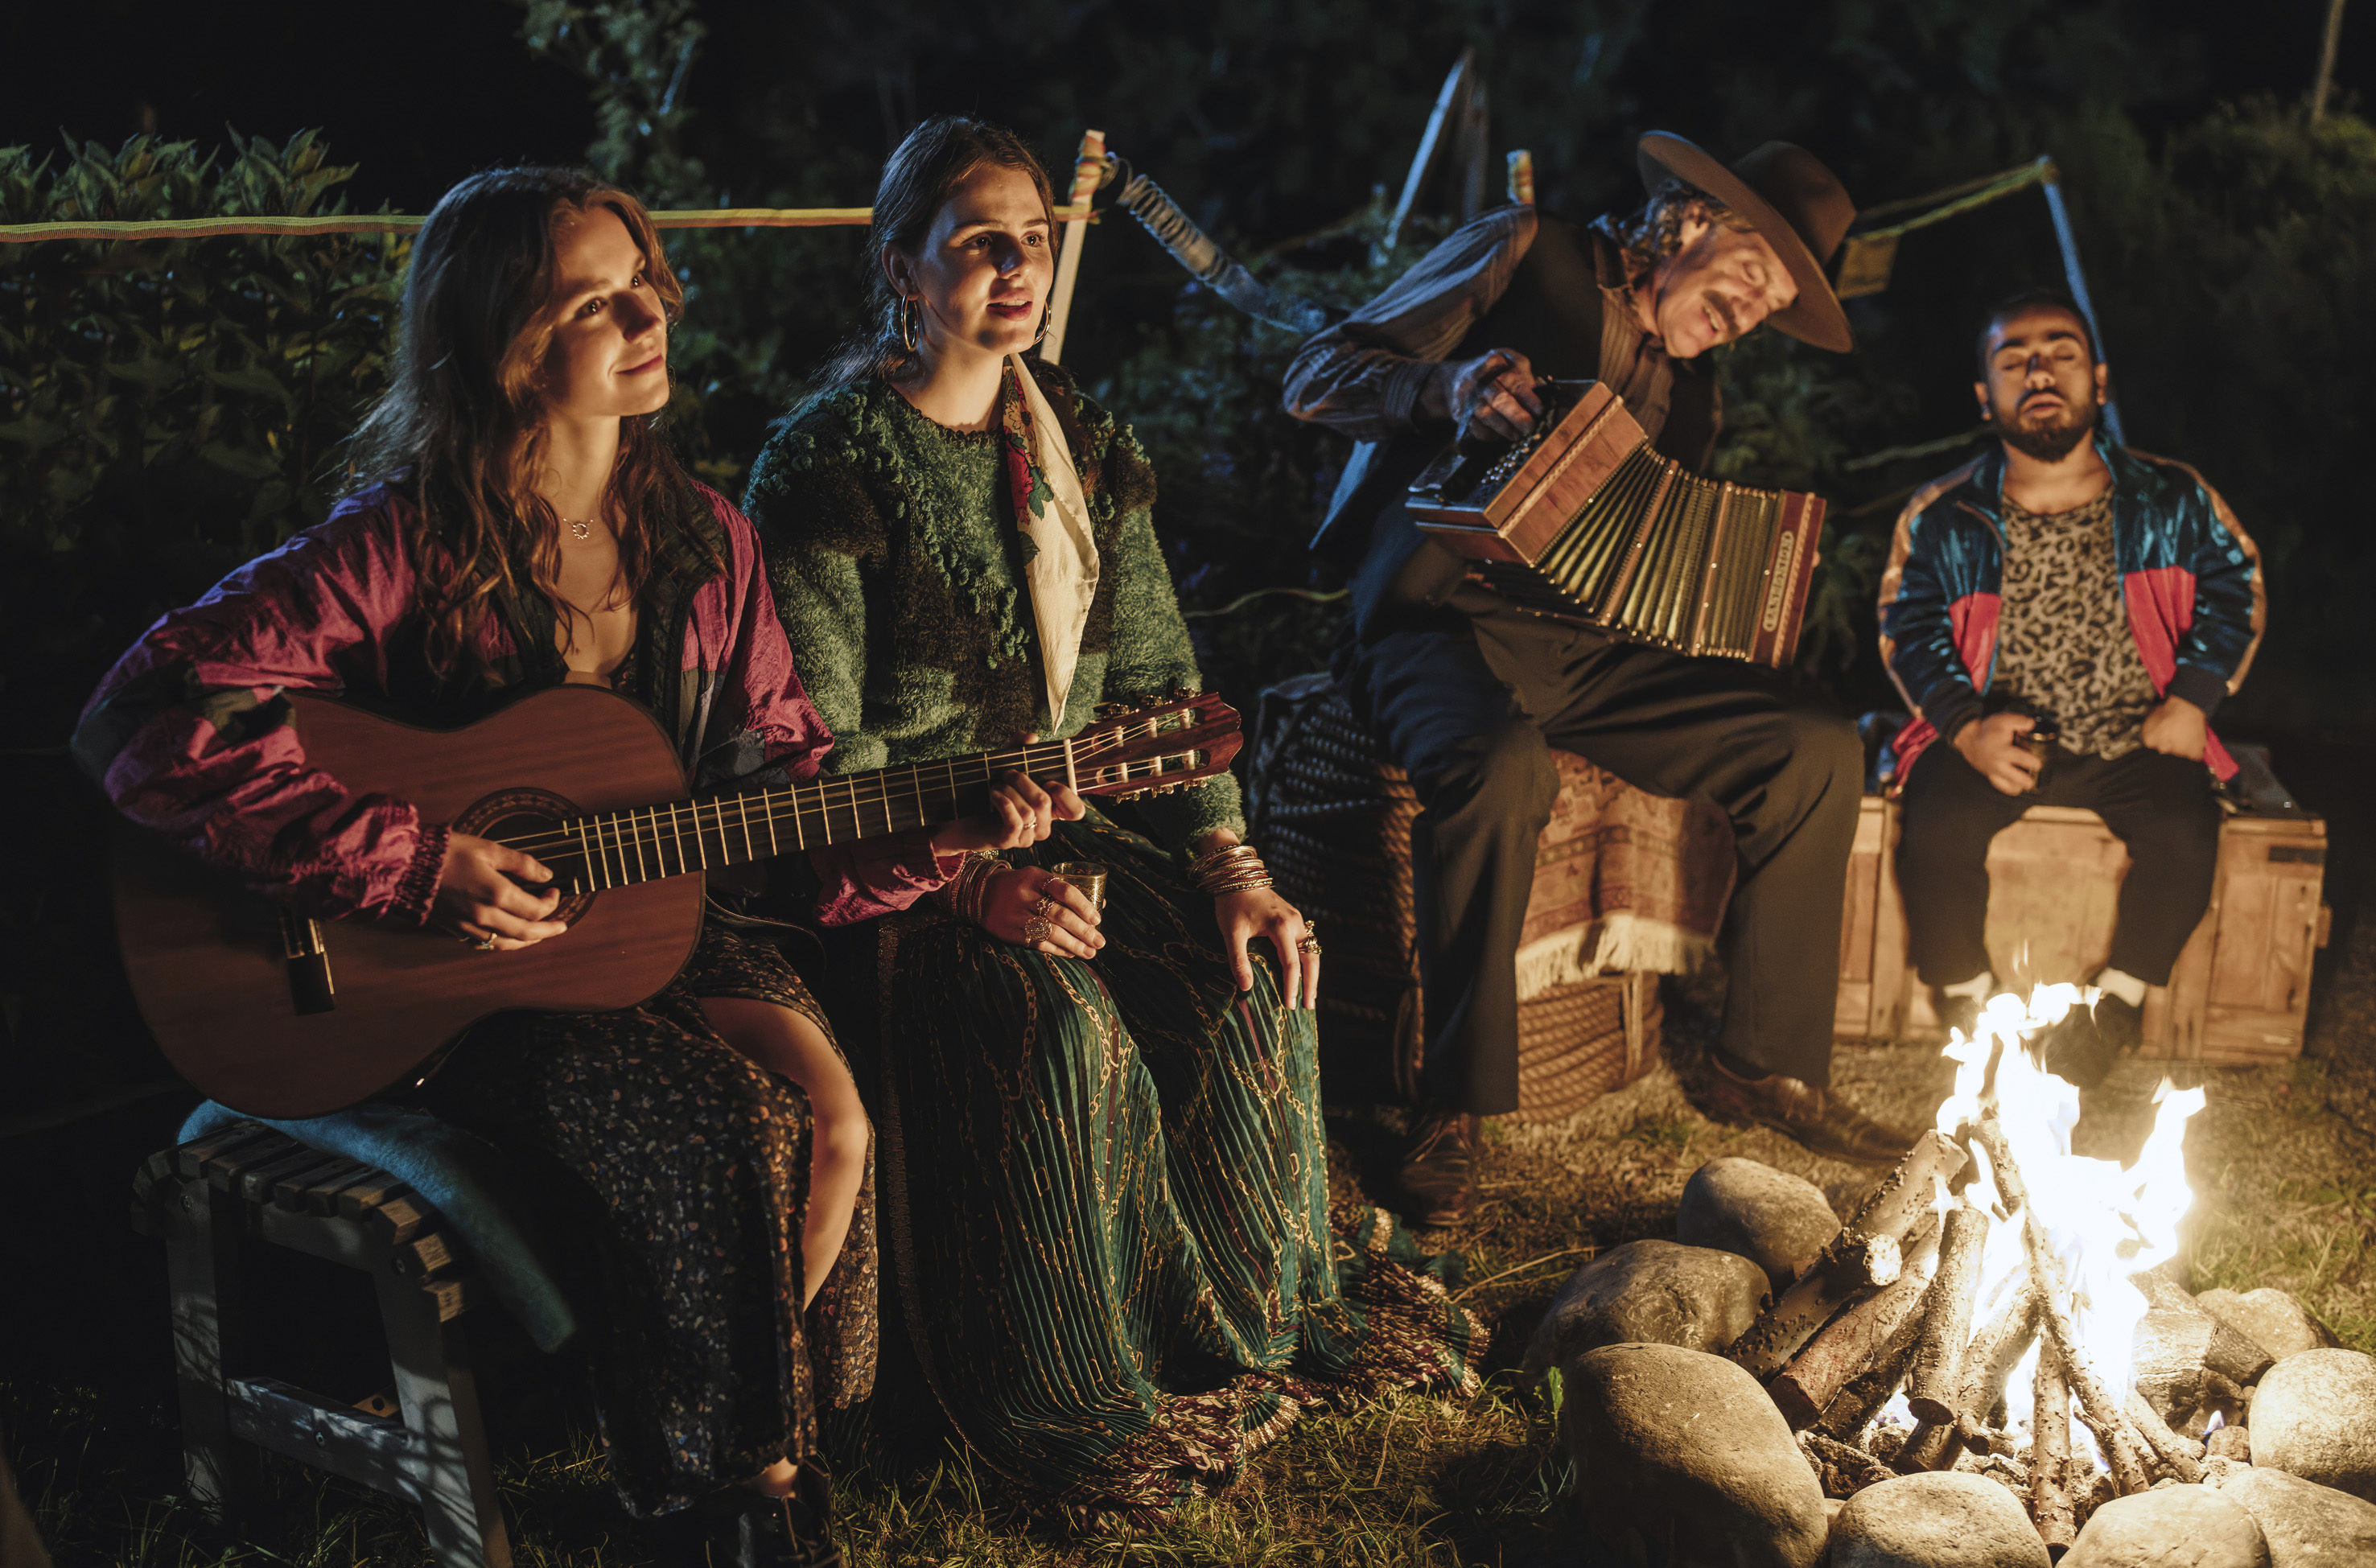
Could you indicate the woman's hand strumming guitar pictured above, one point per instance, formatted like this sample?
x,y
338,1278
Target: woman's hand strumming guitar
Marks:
x,y
481,900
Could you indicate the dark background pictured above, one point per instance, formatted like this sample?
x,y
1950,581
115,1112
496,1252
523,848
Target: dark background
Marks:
x,y
2228,245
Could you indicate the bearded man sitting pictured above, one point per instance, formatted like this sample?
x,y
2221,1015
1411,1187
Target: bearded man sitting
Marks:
x,y
2061,585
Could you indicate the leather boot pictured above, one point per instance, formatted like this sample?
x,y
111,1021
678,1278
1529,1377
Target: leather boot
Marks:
x,y
1439,1173
2081,1049
1818,1119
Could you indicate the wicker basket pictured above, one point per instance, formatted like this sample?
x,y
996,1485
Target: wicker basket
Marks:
x,y
1577,1042
1334,820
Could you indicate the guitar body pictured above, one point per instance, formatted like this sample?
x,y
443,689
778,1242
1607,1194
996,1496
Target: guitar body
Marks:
x,y
210,963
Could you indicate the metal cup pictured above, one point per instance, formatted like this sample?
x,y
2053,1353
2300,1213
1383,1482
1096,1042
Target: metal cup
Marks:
x,y
2043,733
1090,876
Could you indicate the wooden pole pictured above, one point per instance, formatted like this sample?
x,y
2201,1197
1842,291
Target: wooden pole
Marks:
x,y
1450,106
2326,61
1089,168
2051,183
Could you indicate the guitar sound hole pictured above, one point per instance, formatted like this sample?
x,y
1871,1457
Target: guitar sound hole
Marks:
x,y
526,819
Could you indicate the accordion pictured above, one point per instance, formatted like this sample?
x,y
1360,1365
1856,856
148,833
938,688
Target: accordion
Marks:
x,y
1582,521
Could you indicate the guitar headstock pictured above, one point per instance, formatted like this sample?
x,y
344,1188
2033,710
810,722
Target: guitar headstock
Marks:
x,y
1155,744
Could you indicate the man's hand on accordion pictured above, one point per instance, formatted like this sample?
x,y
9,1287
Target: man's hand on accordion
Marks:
x,y
1492,396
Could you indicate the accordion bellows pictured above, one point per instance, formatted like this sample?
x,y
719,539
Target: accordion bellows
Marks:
x,y
1585,521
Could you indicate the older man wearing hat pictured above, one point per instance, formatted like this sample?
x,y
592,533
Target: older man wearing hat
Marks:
x,y
1468,694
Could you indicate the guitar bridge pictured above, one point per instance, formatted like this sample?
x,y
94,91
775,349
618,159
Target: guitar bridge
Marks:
x,y
310,987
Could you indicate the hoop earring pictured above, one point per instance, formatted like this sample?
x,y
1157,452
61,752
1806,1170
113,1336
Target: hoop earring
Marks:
x,y
907,321
1047,319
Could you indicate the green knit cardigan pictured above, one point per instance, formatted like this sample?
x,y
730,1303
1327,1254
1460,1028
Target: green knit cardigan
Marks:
x,y
898,568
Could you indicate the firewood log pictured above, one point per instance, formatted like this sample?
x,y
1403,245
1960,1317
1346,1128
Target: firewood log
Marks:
x,y
1848,1414
1935,1384
1864,1254
2177,1337
1996,1350
2098,1406
2049,1456
1842,1468
2182,1457
1851,1341
1929,1446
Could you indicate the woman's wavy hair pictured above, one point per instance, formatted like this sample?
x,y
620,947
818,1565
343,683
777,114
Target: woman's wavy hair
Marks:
x,y
1655,232
459,431
928,167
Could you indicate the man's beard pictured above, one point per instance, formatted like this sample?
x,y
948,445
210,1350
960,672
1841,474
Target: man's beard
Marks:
x,y
2052,444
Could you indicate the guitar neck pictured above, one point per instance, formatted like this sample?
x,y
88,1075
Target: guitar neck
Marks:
x,y
643,843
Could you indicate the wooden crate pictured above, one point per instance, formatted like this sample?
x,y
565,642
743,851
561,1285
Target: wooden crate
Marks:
x,y
2238,992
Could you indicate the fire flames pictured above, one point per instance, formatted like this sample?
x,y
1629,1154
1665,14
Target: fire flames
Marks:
x,y
2103,1221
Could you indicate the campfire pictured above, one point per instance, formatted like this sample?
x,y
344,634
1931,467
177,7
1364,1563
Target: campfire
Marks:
x,y
1996,1286
1981,1367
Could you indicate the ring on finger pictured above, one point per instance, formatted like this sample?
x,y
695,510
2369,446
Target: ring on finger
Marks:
x,y
1036,930
1045,907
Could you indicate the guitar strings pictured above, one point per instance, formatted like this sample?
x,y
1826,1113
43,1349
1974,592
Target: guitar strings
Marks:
x,y
630,832
820,801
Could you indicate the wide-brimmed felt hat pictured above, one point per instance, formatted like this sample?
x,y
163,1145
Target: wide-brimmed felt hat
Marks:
x,y
1788,197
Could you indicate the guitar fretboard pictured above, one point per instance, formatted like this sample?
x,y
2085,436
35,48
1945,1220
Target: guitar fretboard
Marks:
x,y
605,849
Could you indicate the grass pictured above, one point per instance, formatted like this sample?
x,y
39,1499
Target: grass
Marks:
x,y
2281,1158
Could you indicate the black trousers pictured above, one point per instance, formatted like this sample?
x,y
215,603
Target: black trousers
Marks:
x,y
2161,807
1471,700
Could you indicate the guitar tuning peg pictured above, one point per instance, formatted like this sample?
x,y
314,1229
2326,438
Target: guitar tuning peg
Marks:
x,y
1110,709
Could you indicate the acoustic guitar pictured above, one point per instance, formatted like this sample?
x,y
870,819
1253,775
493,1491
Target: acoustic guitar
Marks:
x,y
279,1015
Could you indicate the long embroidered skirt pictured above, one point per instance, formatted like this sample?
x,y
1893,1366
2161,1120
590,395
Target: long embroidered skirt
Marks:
x,y
1107,1186
688,1168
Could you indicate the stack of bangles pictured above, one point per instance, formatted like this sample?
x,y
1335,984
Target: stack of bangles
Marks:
x,y
963,893
1232,868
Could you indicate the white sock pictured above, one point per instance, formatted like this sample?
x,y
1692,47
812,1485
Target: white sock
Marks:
x,y
2127,987
1979,988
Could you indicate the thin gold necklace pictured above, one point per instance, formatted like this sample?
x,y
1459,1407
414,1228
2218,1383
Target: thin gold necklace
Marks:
x,y
583,530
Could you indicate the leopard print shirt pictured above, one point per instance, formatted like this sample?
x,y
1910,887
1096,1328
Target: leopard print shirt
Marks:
x,y
2063,644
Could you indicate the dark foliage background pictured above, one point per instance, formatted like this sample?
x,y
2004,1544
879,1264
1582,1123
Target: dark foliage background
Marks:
x,y
166,411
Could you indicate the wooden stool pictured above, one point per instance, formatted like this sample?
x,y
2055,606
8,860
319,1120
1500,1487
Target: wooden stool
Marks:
x,y
248,1181
2238,994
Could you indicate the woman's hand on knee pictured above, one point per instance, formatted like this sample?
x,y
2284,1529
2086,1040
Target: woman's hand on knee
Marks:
x,y
1261,912
1043,911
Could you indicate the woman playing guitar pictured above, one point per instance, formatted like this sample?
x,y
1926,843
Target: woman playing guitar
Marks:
x,y
519,523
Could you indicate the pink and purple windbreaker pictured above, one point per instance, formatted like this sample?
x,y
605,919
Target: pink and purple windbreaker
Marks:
x,y
188,734
2187,573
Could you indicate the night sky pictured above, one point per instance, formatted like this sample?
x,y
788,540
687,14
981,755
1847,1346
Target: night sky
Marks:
x,y
422,94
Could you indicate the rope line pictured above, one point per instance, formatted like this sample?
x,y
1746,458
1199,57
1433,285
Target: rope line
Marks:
x,y
403,223
1957,199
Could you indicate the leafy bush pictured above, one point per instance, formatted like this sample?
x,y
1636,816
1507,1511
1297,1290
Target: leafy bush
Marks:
x,y
167,408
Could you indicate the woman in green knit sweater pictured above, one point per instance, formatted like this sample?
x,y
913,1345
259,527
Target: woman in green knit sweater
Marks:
x,y
1104,1158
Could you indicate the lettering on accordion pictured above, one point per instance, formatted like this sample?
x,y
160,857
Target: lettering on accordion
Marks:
x,y
1583,521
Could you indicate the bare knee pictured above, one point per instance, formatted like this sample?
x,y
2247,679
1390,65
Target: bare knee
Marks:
x,y
839,1139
